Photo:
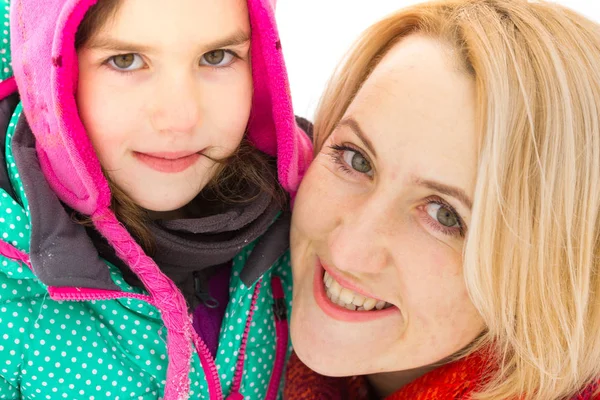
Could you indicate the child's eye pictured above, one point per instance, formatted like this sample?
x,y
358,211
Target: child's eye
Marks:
x,y
126,62
217,58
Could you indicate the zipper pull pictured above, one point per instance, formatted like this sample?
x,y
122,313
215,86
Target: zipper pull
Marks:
x,y
202,293
235,396
279,307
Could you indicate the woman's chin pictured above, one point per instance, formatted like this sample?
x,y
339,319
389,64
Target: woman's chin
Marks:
x,y
329,348
325,363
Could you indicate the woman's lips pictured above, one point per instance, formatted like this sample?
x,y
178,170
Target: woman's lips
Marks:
x,y
341,313
345,282
169,162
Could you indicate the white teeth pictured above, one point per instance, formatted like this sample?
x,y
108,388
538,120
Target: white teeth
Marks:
x,y
346,295
358,300
335,288
328,279
349,299
369,304
334,298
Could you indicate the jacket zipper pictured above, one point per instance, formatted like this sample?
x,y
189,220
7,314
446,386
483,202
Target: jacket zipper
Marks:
x,y
79,294
208,364
237,378
281,329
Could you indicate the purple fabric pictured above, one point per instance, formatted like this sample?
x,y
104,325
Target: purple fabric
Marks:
x,y
207,321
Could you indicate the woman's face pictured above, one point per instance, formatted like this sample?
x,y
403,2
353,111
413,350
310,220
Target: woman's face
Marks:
x,y
380,221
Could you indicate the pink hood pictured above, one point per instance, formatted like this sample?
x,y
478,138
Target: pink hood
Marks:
x,y
46,73
45,68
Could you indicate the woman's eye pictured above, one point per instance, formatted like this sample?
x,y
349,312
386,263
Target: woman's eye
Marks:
x,y
217,58
357,162
443,215
126,62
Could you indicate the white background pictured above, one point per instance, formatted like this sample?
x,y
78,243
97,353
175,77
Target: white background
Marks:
x,y
315,34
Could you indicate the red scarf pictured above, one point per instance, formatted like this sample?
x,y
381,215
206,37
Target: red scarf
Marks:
x,y
452,381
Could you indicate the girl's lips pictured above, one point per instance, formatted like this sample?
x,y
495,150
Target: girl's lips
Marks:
x,y
341,313
169,162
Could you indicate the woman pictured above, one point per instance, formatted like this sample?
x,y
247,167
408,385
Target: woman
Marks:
x,y
445,239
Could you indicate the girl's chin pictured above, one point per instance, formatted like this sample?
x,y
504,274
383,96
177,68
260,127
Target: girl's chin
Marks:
x,y
164,207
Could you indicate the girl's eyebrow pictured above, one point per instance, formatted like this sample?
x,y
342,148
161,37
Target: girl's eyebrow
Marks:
x,y
108,43
236,39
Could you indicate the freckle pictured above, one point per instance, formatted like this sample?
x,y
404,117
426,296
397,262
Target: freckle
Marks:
x,y
278,45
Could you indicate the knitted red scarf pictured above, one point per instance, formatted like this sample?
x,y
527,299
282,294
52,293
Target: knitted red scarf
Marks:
x,y
452,381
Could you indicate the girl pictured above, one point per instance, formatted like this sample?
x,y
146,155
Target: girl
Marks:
x,y
445,239
142,203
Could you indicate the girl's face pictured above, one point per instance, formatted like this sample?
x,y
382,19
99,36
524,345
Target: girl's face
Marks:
x,y
381,216
164,89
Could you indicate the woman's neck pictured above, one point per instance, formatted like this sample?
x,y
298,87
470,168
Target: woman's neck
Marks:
x,y
387,383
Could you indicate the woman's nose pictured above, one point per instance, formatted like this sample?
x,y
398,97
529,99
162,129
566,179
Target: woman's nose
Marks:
x,y
360,243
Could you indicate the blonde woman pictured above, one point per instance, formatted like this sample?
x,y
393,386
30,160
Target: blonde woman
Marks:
x,y
446,239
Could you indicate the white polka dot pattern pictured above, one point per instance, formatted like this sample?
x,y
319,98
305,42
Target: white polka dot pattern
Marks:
x,y
5,56
113,348
116,349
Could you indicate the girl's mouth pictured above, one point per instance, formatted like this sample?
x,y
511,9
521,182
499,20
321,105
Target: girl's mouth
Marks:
x,y
168,162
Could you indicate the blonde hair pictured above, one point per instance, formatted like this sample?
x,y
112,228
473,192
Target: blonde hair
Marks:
x,y
531,259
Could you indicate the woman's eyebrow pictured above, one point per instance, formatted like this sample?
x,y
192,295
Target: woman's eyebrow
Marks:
x,y
355,127
453,191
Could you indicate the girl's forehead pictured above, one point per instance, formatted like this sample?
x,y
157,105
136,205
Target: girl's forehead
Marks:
x,y
179,20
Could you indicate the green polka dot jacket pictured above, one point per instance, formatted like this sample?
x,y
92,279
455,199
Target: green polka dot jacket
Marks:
x,y
62,342
90,347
